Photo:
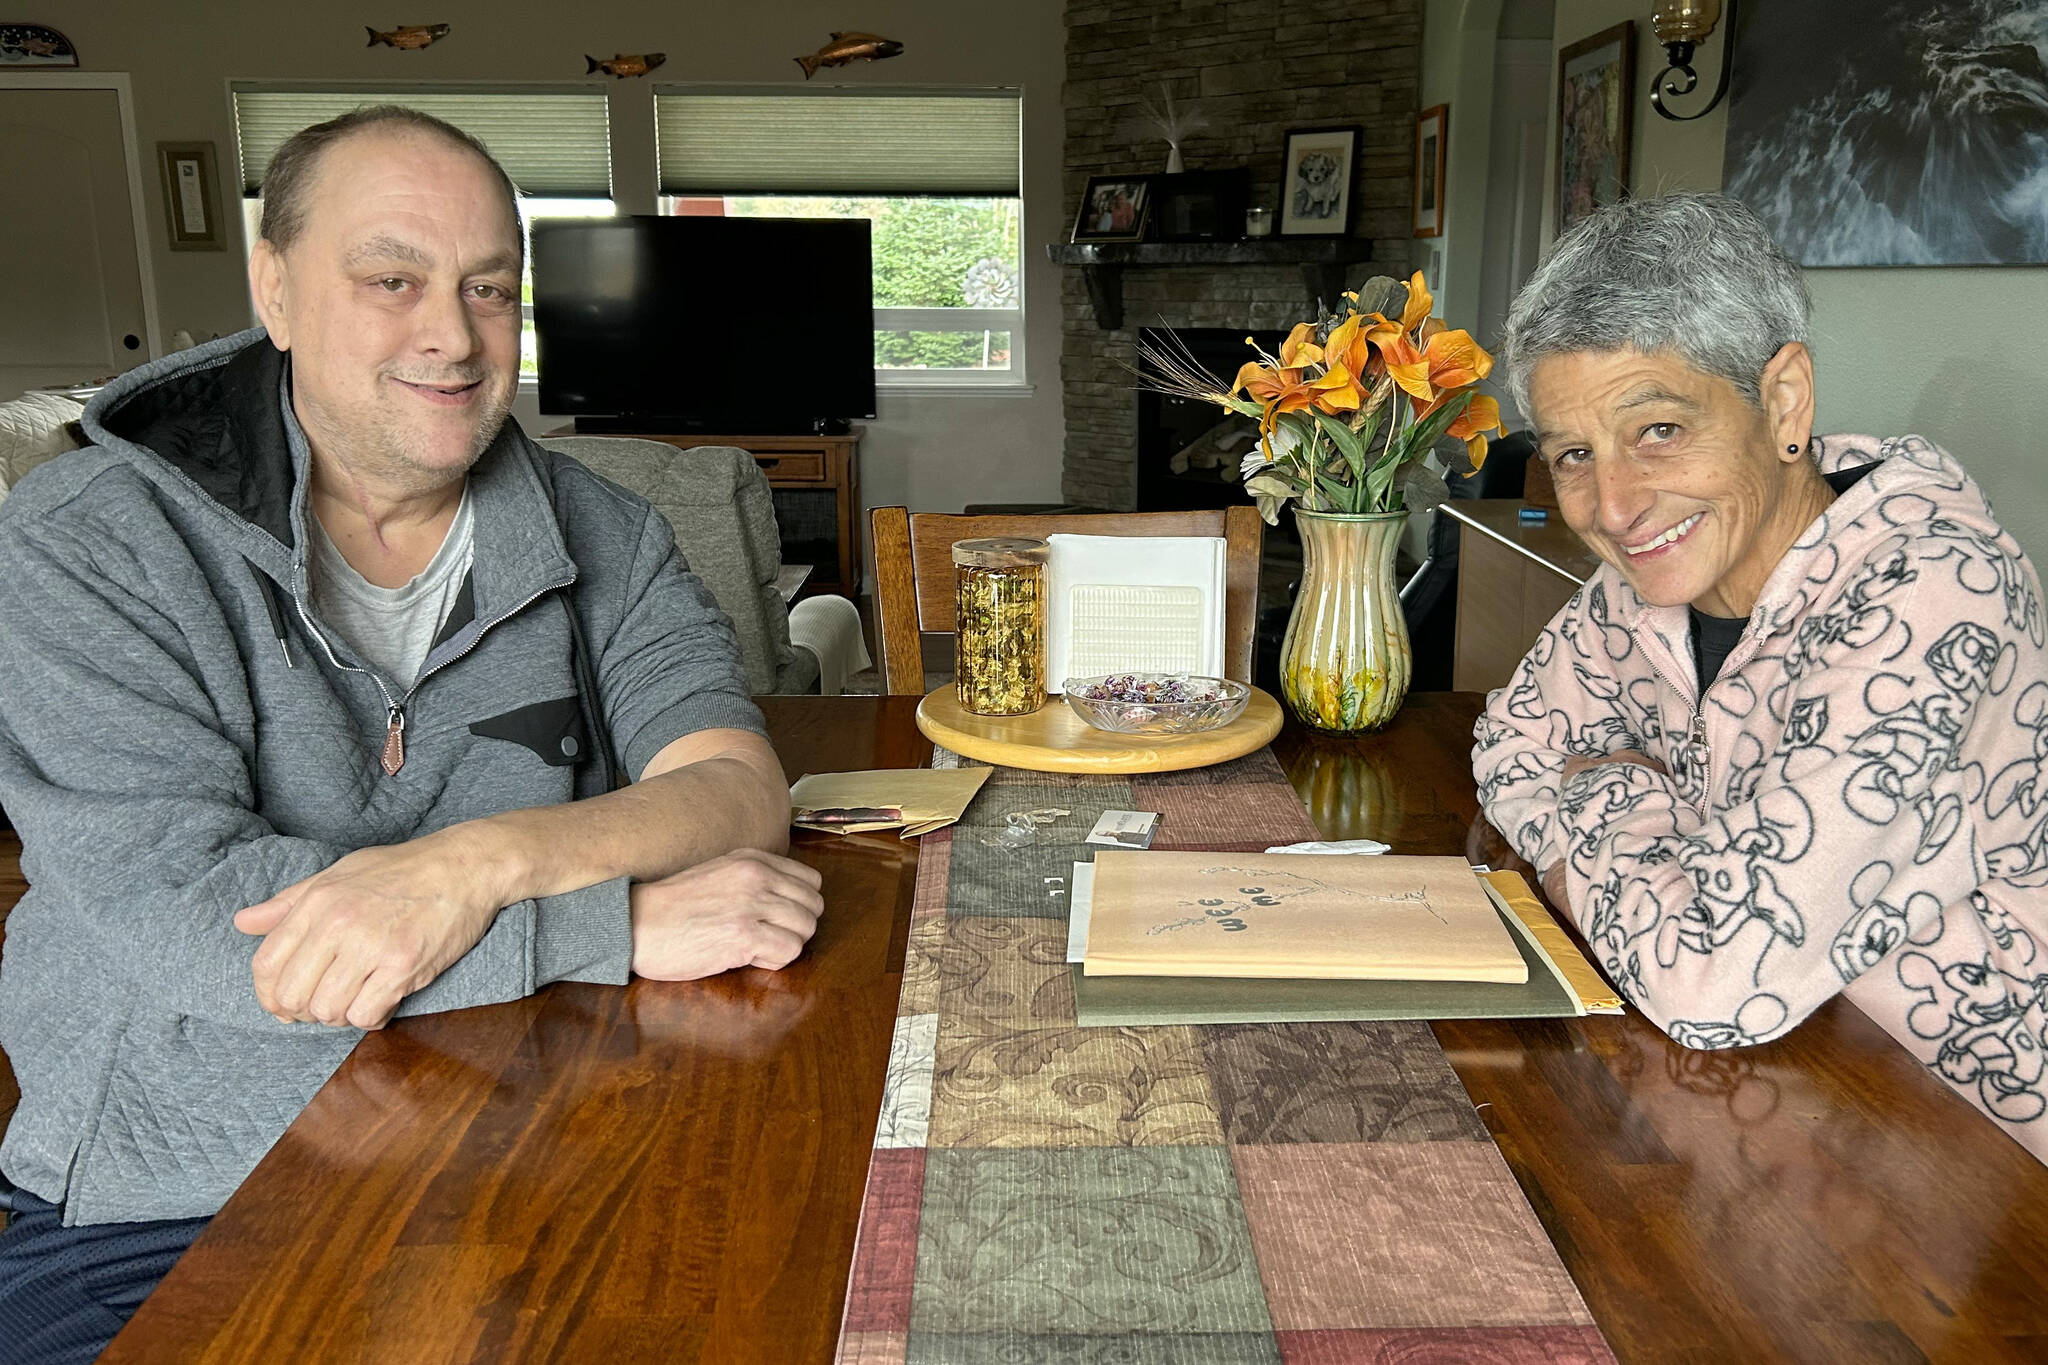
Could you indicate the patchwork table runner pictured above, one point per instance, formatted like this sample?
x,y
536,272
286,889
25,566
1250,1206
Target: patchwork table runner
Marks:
x,y
1297,1194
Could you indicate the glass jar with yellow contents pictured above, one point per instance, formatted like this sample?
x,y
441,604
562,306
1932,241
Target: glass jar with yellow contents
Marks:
x,y
999,625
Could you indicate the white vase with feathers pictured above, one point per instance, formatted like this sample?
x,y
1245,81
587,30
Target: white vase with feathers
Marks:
x,y
1173,123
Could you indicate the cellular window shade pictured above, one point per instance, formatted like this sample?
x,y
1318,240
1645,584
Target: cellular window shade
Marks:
x,y
553,143
725,142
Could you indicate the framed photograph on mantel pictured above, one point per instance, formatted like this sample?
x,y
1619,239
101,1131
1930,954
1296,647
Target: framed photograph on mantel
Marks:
x,y
1113,208
1596,79
1432,134
1315,181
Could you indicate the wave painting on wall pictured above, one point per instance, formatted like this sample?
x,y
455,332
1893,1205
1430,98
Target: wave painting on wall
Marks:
x,y
1895,132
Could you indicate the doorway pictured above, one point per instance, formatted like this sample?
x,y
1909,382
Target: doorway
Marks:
x,y
77,301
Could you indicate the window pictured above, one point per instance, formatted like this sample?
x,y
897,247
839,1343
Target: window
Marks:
x,y
554,143
936,173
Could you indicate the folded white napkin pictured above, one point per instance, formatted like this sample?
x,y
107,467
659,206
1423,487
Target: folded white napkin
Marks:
x,y
1334,846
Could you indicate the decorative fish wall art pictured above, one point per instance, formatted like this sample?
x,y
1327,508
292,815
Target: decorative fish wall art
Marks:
x,y
407,38
849,47
624,64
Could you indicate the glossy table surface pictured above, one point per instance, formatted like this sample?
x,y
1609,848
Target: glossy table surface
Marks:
x,y
673,1172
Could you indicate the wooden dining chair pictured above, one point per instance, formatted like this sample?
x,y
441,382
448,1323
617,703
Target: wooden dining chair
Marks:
x,y
914,573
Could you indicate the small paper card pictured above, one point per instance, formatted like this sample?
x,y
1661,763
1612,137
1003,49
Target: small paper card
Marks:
x,y
913,800
1125,828
1079,904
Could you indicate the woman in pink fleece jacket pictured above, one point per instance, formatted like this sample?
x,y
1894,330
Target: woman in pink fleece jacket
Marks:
x,y
1792,738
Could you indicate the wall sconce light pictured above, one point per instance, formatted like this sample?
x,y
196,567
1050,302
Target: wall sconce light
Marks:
x,y
1681,26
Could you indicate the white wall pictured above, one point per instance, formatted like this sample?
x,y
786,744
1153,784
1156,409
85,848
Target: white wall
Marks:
x,y
1957,355
1457,69
934,452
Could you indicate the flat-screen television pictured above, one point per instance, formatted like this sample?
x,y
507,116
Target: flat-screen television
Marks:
x,y
750,326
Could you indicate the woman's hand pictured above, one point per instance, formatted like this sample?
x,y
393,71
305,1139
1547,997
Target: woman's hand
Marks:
x,y
1578,763
1553,876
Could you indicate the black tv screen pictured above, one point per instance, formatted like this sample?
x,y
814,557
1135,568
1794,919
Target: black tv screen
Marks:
x,y
741,325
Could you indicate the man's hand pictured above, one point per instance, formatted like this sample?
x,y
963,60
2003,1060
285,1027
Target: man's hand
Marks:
x,y
347,944
745,909
1578,763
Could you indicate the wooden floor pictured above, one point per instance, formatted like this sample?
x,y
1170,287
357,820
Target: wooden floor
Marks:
x,y
11,887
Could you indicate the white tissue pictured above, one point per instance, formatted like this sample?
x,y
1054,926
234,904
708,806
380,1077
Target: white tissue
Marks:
x,y
1335,846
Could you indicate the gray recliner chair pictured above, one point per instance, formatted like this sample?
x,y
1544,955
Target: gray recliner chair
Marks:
x,y
717,500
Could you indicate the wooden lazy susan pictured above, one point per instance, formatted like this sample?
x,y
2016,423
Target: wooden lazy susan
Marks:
x,y
1053,739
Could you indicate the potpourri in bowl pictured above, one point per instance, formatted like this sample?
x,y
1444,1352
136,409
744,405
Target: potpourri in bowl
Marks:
x,y
1157,703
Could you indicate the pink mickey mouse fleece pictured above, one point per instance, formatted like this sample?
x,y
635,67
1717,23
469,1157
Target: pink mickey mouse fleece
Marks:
x,y
1858,803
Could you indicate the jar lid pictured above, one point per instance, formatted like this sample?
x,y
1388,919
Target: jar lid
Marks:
x,y
999,552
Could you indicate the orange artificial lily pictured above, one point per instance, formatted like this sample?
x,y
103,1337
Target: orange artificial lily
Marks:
x,y
1300,349
1347,360
1416,311
1337,368
1480,416
1277,390
1445,364
1425,359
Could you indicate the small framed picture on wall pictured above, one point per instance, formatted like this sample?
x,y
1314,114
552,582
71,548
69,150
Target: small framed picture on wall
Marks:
x,y
1432,138
1315,181
191,210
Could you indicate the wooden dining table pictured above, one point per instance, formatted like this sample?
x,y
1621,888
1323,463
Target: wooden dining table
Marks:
x,y
673,1172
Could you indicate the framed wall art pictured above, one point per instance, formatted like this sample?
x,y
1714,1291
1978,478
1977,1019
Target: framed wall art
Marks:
x,y
1432,136
35,45
191,204
1596,79
1114,208
1919,139
1315,181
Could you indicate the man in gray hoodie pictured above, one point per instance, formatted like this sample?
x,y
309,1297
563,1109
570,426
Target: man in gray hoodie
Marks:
x,y
303,664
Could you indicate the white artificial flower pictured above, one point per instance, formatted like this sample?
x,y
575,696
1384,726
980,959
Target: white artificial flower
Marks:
x,y
1283,442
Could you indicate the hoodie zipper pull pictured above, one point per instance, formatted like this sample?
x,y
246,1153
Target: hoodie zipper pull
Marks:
x,y
394,742
1701,755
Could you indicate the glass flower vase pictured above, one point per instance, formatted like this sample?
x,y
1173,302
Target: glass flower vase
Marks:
x,y
1346,661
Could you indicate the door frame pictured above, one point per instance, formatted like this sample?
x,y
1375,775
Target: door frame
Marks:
x,y
116,81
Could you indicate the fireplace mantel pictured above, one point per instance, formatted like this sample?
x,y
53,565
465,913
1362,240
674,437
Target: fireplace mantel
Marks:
x,y
1322,261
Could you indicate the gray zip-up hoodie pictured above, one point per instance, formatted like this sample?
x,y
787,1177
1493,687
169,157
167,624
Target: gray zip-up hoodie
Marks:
x,y
180,737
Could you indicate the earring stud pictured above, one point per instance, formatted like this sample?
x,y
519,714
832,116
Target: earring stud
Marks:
x,y
1791,450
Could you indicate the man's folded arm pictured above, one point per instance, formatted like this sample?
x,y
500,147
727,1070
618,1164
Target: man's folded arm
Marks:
x,y
121,771
674,696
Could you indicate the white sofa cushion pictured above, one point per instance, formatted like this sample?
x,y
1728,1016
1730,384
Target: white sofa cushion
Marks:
x,y
32,431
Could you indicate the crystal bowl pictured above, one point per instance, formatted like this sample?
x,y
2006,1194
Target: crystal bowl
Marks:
x,y
1157,703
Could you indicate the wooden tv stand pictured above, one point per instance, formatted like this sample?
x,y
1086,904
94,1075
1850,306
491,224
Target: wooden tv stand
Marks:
x,y
802,471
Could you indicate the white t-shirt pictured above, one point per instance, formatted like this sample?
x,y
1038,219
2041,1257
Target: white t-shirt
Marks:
x,y
393,628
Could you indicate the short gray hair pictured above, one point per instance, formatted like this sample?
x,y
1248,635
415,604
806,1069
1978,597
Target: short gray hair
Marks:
x,y
288,181
1694,274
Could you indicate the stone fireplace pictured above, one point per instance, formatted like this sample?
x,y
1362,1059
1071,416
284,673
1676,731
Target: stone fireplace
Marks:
x,y
1186,453
1253,69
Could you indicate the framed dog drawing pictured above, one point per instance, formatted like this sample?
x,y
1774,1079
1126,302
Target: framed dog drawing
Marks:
x,y
1315,181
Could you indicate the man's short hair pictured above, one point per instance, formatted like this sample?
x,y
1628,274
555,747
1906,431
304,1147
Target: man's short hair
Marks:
x,y
289,180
